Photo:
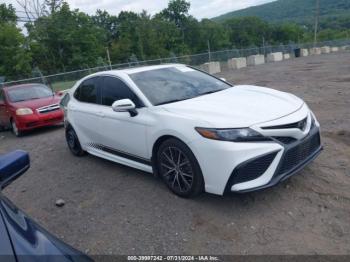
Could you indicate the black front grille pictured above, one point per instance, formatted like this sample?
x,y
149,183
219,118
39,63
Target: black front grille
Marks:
x,y
252,169
300,125
285,139
49,110
297,154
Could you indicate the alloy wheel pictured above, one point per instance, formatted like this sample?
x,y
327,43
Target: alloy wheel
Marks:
x,y
176,169
71,140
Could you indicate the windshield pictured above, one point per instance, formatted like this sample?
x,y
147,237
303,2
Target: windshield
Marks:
x,y
166,85
29,92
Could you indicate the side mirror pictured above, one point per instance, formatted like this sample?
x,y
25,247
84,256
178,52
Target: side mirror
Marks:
x,y
125,105
12,166
59,93
64,100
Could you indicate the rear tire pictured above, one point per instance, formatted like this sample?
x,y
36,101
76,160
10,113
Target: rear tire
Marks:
x,y
73,142
179,168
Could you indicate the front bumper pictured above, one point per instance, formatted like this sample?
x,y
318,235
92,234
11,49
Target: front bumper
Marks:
x,y
36,120
277,179
294,158
250,166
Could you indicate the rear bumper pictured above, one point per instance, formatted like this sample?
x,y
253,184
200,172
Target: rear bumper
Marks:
x,y
29,122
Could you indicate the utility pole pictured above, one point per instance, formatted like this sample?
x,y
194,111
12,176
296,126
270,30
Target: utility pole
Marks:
x,y
317,14
263,42
209,51
109,59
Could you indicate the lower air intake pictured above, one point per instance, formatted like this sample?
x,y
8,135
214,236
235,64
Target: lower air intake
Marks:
x,y
252,169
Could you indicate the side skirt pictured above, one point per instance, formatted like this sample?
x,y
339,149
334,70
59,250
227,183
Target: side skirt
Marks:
x,y
120,157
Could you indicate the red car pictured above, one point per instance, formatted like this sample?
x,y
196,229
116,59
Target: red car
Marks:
x,y
28,106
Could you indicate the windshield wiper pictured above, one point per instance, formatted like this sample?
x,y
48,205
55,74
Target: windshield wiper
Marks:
x,y
210,92
21,100
170,101
178,100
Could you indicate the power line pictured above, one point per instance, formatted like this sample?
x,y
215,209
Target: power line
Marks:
x,y
20,11
24,19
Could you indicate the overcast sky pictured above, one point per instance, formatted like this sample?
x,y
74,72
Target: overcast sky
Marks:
x,y
199,8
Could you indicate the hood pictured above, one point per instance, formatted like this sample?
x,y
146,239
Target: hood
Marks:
x,y
239,106
37,103
31,242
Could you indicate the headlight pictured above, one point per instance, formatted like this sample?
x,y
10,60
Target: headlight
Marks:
x,y
235,134
24,111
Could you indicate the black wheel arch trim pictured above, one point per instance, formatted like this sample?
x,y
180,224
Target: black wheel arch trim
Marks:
x,y
155,148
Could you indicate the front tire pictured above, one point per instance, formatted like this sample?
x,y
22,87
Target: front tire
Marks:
x,y
179,168
73,142
15,129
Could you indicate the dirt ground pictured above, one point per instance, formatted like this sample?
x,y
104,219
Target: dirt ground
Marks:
x,y
112,209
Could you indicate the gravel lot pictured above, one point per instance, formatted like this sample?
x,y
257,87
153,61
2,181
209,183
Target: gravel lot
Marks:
x,y
112,209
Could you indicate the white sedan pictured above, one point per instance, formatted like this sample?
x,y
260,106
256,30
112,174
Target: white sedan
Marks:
x,y
195,131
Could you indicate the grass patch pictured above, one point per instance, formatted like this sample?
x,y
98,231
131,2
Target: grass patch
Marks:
x,y
58,86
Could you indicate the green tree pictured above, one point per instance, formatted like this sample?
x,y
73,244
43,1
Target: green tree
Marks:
x,y
127,41
286,33
7,14
109,23
247,31
215,33
169,38
53,5
15,58
328,34
177,12
62,39
66,40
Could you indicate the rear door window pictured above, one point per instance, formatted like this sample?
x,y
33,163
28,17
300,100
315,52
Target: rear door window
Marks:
x,y
115,89
87,92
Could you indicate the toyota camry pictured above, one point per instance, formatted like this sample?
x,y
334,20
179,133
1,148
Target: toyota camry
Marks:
x,y
194,130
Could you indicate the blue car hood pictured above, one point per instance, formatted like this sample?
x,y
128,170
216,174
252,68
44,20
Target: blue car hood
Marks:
x,y
31,242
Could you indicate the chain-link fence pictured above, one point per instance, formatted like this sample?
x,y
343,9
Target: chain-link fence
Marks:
x,y
66,80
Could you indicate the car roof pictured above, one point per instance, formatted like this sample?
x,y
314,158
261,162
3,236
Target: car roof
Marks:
x,y
23,85
133,70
